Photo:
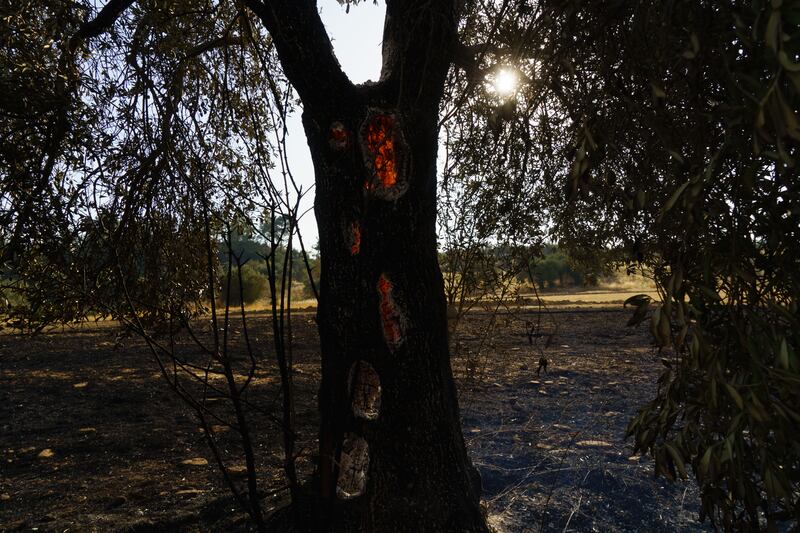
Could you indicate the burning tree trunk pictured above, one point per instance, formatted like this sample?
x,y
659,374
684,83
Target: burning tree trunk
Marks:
x,y
387,398
391,450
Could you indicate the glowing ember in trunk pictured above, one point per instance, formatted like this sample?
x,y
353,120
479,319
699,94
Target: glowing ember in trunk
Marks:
x,y
385,154
392,319
380,142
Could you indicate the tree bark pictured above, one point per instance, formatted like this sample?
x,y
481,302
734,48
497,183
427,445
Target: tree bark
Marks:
x,y
392,455
382,307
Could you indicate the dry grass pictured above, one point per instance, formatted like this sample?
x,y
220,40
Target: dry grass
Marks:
x,y
593,298
610,291
308,304
624,282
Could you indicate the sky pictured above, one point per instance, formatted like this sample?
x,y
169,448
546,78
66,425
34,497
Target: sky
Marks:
x,y
356,38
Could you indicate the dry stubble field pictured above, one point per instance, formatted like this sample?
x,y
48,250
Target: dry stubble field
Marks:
x,y
91,439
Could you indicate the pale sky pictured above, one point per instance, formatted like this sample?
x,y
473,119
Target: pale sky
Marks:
x,y
356,38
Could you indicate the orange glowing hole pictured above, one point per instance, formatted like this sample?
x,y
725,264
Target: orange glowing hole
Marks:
x,y
355,238
380,139
391,318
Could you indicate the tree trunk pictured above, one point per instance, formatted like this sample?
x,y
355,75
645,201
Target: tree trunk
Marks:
x,y
392,456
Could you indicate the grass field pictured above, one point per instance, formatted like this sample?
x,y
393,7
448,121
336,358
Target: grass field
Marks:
x,y
606,294
596,297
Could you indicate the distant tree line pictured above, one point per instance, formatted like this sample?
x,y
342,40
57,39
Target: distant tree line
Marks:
x,y
250,249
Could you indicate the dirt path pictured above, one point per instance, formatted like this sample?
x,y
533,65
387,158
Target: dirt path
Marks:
x,y
92,440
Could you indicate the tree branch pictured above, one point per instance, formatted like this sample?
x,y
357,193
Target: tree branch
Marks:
x,y
304,49
219,42
98,25
418,39
467,58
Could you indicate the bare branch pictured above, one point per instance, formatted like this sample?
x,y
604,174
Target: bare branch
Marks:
x,y
98,25
220,42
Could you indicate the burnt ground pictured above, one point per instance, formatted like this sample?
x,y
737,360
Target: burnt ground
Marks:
x,y
92,439
551,448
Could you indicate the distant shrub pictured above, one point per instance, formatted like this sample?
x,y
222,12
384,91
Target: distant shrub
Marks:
x,y
253,286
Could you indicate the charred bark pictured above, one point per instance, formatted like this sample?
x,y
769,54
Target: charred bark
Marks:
x,y
404,464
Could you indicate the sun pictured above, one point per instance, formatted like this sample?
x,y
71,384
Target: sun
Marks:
x,y
505,82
